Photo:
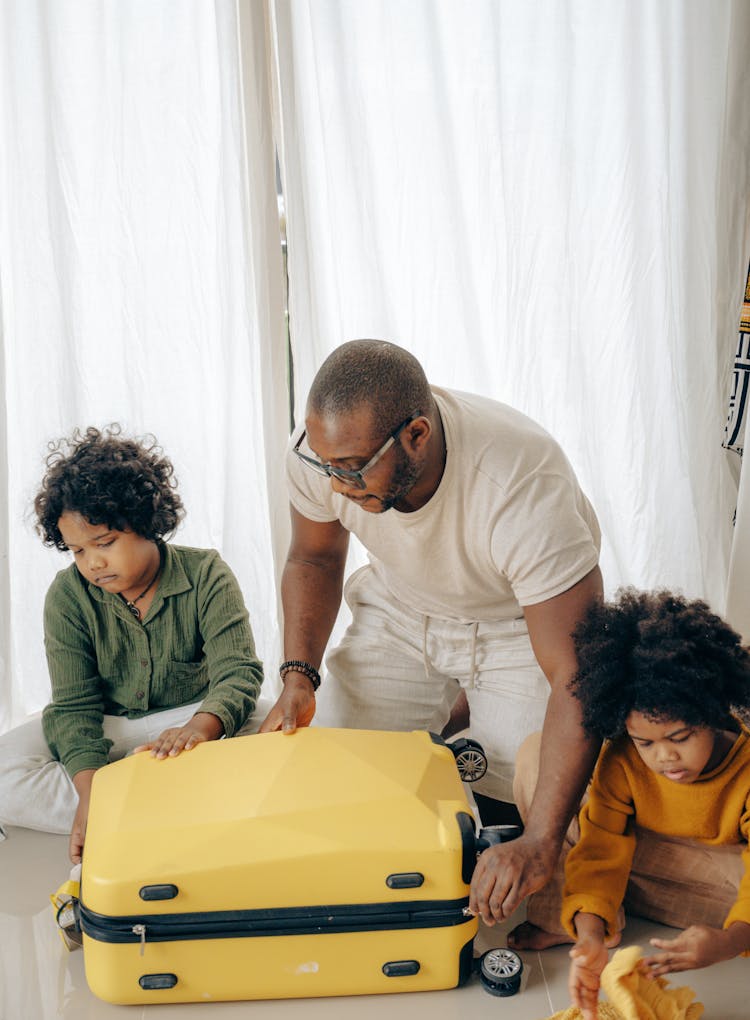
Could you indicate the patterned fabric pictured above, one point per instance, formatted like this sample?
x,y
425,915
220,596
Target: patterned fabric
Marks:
x,y
633,996
738,397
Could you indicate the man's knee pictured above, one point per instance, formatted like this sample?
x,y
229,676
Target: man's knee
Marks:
x,y
526,772
459,718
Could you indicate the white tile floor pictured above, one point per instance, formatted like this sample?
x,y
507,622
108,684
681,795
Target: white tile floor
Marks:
x,y
40,980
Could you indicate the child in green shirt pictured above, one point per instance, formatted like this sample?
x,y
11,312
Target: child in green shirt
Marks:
x,y
148,644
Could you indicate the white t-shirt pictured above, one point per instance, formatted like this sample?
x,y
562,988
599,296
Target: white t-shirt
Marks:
x,y
508,525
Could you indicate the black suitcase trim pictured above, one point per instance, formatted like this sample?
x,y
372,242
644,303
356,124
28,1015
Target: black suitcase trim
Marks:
x,y
227,924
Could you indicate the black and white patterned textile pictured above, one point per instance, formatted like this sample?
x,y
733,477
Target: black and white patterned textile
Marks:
x,y
738,397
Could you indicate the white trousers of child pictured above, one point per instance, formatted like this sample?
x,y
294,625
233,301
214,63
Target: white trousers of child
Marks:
x,y
397,669
36,791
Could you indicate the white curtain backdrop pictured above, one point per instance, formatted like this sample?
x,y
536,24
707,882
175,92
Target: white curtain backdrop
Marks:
x,y
545,203
140,279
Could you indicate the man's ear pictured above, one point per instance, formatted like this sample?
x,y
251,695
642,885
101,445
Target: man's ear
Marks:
x,y
417,434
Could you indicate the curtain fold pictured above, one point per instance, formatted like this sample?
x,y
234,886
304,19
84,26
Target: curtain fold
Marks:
x,y
140,282
544,204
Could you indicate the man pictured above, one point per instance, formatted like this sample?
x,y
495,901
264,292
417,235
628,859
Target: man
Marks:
x,y
483,557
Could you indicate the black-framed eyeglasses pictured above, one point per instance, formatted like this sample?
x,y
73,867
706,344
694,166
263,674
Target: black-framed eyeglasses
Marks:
x,y
353,478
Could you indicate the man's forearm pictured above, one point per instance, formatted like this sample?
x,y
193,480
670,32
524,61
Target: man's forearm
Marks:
x,y
567,757
311,596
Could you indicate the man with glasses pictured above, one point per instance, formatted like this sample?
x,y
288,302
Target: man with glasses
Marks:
x,y
483,557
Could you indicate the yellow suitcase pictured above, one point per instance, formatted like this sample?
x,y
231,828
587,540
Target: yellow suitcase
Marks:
x,y
327,862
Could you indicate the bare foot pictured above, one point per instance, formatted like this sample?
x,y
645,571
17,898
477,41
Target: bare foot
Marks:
x,y
529,936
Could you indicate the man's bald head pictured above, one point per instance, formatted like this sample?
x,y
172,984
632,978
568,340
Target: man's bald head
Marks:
x,y
374,374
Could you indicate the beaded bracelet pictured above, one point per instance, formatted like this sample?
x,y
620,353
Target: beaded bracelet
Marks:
x,y
297,666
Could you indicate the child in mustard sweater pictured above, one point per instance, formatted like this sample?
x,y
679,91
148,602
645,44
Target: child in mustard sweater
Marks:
x,y
661,680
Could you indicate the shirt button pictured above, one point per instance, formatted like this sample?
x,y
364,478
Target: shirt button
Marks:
x,y
139,695
144,662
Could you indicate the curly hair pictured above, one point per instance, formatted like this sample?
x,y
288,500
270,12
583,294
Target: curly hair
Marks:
x,y
661,655
108,479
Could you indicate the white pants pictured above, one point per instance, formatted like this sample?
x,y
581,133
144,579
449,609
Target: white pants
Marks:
x,y
397,669
36,791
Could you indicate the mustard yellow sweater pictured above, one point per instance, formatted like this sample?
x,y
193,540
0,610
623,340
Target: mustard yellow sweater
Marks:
x,y
714,810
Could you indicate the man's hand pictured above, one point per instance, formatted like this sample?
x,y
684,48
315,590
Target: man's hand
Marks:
x,y
295,707
508,872
589,956
203,726
82,782
698,946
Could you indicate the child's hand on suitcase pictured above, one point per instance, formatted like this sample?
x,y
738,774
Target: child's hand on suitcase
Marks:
x,y
203,726
78,832
82,781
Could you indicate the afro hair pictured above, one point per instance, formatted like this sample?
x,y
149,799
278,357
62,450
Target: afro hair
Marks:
x,y
661,655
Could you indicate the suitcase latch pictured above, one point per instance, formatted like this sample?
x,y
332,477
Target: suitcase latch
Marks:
x,y
167,891
400,968
405,880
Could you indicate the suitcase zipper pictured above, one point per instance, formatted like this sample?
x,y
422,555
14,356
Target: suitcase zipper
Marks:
x,y
140,931
285,921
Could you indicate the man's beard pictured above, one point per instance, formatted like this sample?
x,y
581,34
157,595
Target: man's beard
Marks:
x,y
405,476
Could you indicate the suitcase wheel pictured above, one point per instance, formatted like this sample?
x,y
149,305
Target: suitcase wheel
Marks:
x,y
471,760
500,971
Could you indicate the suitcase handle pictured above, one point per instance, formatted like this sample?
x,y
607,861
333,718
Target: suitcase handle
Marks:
x,y
491,835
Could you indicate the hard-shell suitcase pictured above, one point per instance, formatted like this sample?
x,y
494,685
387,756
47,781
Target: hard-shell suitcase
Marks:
x,y
327,862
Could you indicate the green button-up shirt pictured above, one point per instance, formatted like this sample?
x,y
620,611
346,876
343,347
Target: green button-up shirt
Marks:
x,y
195,644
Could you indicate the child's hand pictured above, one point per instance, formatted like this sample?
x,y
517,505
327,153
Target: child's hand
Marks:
x,y
697,946
589,956
78,832
203,726
82,782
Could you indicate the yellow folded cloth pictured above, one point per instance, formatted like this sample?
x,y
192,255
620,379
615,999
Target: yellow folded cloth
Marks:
x,y
605,1011
633,996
